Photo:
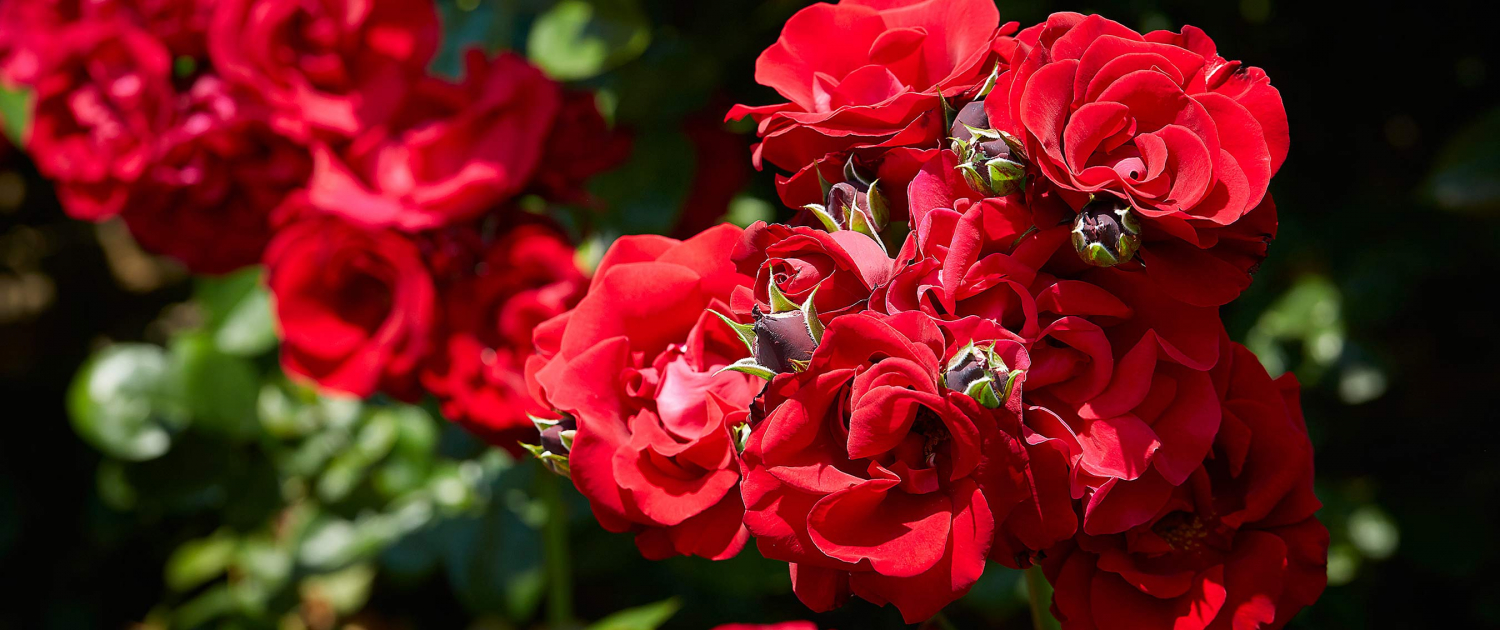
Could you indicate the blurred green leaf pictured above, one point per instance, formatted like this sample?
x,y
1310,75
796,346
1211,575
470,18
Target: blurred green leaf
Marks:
x,y
121,402
648,617
1466,175
238,312
579,39
15,113
198,561
218,389
345,591
114,487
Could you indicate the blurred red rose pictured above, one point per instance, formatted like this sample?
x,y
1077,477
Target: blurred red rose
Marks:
x,y
1187,138
526,277
335,67
355,306
580,145
637,364
452,152
870,73
843,267
1236,546
208,198
103,97
872,477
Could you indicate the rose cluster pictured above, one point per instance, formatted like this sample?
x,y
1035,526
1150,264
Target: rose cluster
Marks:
x,y
385,201
991,335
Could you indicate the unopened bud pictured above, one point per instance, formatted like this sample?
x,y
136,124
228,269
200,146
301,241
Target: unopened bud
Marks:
x,y
981,374
783,341
556,442
1106,232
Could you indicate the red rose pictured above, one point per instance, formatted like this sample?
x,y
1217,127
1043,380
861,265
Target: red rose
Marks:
x,y
208,198
1159,122
180,24
638,366
27,31
452,152
103,95
1236,546
871,476
843,267
355,305
581,145
870,73
332,66
526,277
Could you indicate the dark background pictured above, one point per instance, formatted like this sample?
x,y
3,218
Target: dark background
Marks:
x,y
1378,293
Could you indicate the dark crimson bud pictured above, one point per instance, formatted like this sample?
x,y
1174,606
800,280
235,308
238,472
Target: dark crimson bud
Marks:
x,y
1106,233
553,439
783,340
556,442
972,116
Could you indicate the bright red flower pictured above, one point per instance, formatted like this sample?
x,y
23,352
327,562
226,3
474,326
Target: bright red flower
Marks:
x,y
356,306
452,152
1187,138
1236,546
477,373
103,97
872,477
870,73
637,364
208,198
333,67
844,267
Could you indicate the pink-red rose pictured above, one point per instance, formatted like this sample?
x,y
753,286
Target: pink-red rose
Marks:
x,y
870,73
452,152
477,373
638,366
1235,546
327,67
356,306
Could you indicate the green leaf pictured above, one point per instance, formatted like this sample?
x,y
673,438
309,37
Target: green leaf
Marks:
x,y
648,617
579,39
238,312
120,402
198,561
219,390
15,114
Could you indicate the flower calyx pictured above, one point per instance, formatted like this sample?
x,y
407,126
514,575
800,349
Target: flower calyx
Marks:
x,y
1106,232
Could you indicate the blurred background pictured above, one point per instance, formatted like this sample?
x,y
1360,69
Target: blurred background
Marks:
x,y
242,500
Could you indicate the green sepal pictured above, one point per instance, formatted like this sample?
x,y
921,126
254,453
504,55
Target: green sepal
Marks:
x,y
749,366
1006,176
567,438
554,462
1010,386
880,207
983,392
973,178
1098,255
800,366
958,357
740,434
989,82
542,424
948,111
746,332
780,303
987,135
824,216
863,224
1017,150
852,174
822,182
810,315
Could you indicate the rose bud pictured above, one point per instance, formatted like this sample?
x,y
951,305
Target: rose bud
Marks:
x,y
783,341
858,203
1106,233
981,374
556,442
985,155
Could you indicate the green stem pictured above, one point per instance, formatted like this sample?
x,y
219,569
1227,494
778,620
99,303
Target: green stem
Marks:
x,y
555,545
1040,594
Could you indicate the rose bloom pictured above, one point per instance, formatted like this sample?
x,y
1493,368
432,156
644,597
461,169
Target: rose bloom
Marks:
x,y
1235,546
526,277
872,477
356,306
1190,140
842,267
103,97
209,197
638,365
1117,384
452,152
334,67
866,73
581,145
